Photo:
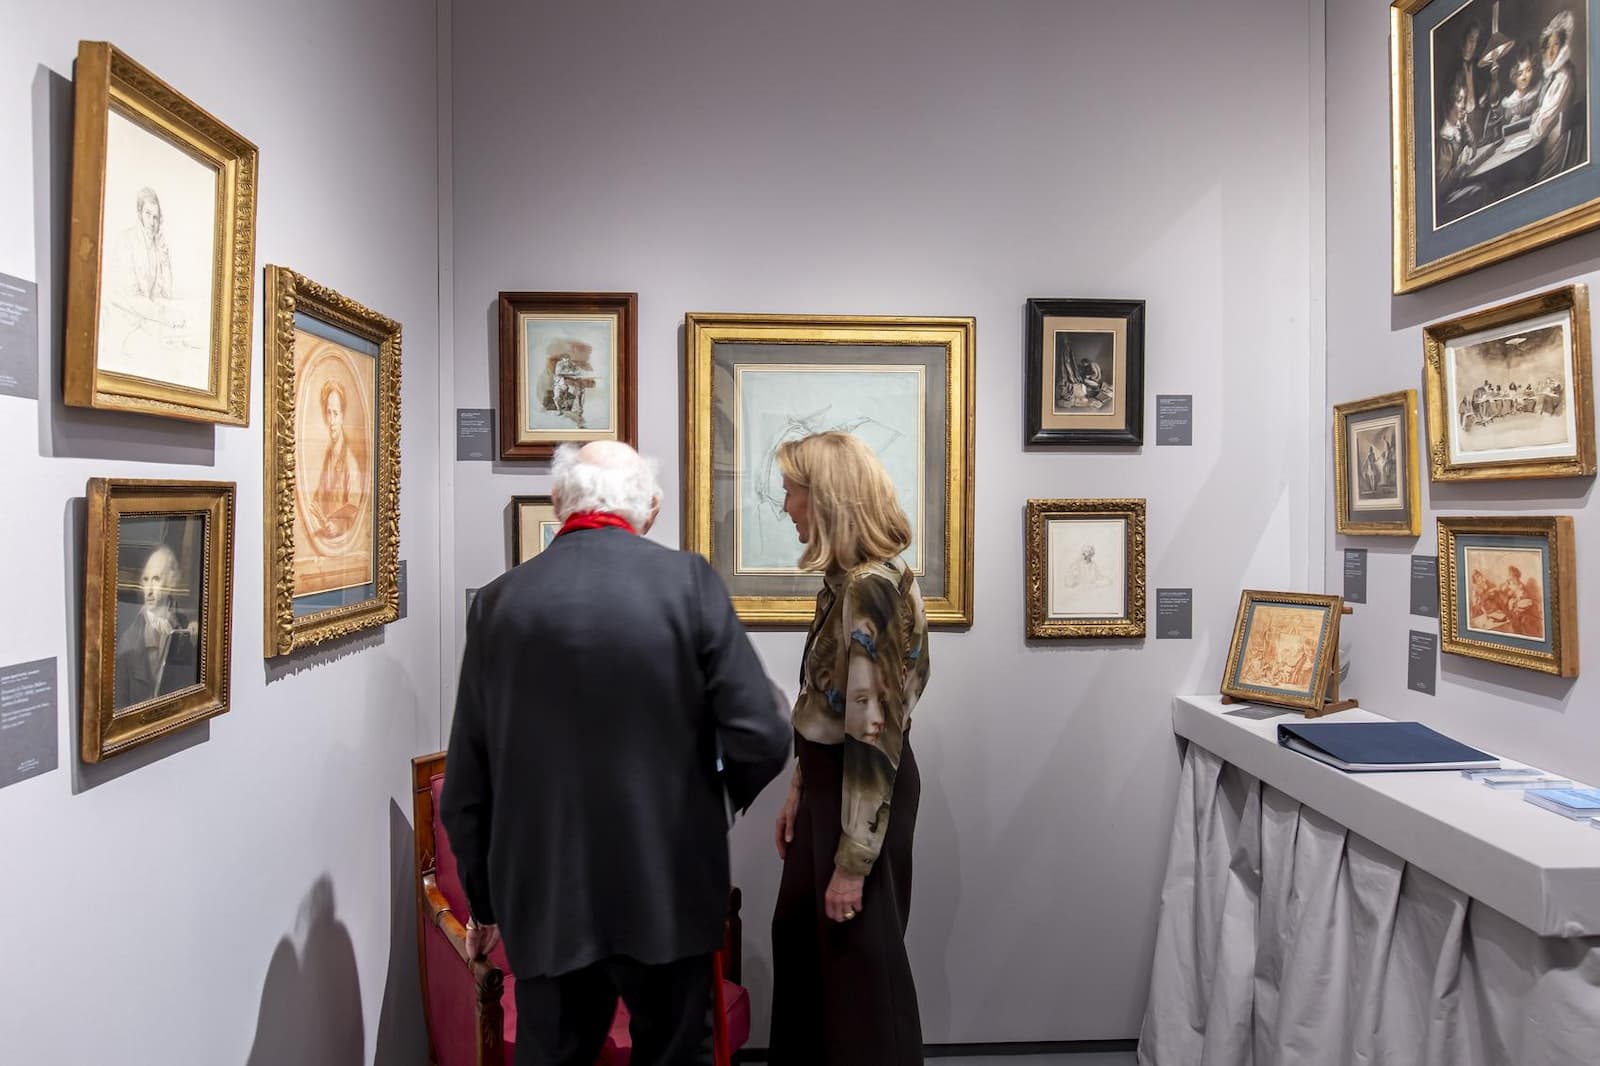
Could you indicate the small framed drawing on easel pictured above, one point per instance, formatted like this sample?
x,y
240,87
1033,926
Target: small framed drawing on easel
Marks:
x,y
1284,652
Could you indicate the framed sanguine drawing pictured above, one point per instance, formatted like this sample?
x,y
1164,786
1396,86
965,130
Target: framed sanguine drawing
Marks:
x,y
1509,391
333,464
568,370
1508,591
1086,568
1085,372
533,526
1375,480
902,385
163,249
1283,649
157,610
1493,131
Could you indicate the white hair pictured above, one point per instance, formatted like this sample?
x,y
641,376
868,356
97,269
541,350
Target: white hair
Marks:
x,y
622,483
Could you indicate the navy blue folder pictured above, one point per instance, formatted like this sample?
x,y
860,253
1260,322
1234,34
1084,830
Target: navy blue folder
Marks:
x,y
1366,747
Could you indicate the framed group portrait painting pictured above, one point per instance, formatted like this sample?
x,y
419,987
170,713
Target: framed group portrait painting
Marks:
x,y
533,526
1508,591
1086,568
1375,464
1084,370
904,386
1284,649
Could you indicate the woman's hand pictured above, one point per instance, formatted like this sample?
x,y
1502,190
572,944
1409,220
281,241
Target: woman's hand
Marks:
x,y
784,831
843,898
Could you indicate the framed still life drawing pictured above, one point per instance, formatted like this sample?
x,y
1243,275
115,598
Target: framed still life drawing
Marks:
x,y
1508,591
1376,485
902,385
568,370
163,249
1283,649
333,464
533,526
1509,391
1493,130
1084,372
1086,568
157,610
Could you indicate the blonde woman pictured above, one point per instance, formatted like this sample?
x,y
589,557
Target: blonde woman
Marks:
x,y
842,987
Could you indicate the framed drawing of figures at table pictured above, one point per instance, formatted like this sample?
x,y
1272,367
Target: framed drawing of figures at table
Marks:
x,y
163,249
1084,372
1509,390
1508,591
1375,479
333,464
904,386
1283,649
568,370
157,610
533,526
1086,568
1493,130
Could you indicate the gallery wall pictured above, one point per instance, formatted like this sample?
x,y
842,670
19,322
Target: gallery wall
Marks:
x,y
240,891
1375,346
946,158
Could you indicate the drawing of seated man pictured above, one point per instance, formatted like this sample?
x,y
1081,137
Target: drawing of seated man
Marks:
x,y
151,323
567,377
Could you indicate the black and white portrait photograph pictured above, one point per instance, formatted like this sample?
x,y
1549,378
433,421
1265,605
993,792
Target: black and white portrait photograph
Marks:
x,y
1085,372
160,568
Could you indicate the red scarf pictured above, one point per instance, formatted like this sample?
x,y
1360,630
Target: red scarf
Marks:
x,y
595,520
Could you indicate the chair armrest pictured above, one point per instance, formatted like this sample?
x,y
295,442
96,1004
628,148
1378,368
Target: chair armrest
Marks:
x,y
485,974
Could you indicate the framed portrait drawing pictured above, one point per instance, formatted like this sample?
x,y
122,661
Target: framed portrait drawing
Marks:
x,y
1283,649
1084,372
157,610
163,249
333,464
533,526
1493,130
1509,392
1086,568
1375,481
902,385
568,370
1508,591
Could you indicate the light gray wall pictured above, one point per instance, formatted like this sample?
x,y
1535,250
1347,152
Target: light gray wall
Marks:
x,y
239,892
948,158
1375,346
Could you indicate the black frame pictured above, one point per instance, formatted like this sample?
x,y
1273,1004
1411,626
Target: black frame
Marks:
x,y
1132,428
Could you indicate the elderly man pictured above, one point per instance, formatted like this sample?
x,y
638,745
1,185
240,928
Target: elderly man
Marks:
x,y
600,680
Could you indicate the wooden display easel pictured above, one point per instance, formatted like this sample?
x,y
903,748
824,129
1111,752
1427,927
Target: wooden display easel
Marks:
x,y
1331,703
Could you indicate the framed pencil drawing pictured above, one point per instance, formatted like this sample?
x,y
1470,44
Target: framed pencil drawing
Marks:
x,y
533,526
163,249
1283,649
1508,591
1084,372
1086,568
1375,479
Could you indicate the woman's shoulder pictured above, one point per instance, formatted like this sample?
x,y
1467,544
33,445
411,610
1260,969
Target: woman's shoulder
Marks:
x,y
887,570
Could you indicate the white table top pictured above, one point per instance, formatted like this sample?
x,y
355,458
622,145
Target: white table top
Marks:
x,y
1530,864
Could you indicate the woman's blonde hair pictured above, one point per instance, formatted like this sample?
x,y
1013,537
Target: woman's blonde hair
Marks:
x,y
855,516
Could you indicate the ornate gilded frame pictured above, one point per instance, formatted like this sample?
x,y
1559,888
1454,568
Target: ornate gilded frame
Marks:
x,y
1344,521
106,731
288,293
955,337
517,505
1322,669
1560,580
108,80
1040,513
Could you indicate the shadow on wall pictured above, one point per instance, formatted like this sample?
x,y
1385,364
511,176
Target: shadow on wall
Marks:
x,y
311,1000
402,1034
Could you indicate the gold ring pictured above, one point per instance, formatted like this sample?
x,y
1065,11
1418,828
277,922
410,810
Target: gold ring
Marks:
x,y
848,915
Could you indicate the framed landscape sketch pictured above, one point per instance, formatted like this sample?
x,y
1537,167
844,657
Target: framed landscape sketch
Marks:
x,y
1508,591
1493,131
157,610
533,526
333,464
163,249
1086,568
1376,485
568,370
1283,649
1085,372
904,386
1509,391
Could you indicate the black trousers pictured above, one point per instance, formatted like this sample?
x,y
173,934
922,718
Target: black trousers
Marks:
x,y
563,1021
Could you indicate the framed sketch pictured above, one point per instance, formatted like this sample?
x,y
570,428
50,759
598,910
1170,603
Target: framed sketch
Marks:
x,y
333,464
533,526
568,370
1508,591
157,610
1493,130
1086,568
1375,480
163,249
1283,649
1085,372
902,385
1509,393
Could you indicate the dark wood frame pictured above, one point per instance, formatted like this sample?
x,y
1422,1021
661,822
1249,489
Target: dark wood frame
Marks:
x,y
1038,309
625,305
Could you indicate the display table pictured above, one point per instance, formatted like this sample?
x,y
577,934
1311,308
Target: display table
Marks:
x,y
1312,916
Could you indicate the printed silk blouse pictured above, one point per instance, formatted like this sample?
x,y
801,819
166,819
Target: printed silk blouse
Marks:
x,y
866,663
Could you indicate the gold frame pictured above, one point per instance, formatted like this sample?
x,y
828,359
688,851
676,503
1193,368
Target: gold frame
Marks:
x,y
958,337
1343,522
1325,666
1039,515
103,732
517,503
286,293
1574,300
1561,581
107,78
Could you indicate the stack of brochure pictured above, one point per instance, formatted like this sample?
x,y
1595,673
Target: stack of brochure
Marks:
x,y
1576,803
1517,777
